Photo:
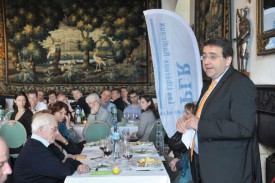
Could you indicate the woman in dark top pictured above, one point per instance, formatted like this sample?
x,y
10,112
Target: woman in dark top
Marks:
x,y
67,135
21,111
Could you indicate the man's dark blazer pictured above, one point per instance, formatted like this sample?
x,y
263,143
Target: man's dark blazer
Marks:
x,y
120,104
36,163
82,103
228,147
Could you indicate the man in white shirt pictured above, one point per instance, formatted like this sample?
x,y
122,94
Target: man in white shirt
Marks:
x,y
35,104
37,162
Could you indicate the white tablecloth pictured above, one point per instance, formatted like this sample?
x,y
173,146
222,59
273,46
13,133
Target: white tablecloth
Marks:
x,y
126,176
79,128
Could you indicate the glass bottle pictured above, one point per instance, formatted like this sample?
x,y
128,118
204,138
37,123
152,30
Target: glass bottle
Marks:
x,y
77,117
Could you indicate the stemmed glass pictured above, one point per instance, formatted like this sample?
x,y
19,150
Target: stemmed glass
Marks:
x,y
108,150
103,145
136,116
128,154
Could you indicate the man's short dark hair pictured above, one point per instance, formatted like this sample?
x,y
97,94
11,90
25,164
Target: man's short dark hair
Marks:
x,y
32,92
132,92
52,92
222,43
117,90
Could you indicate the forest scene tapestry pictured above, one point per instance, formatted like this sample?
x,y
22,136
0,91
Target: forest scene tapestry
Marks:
x,y
76,41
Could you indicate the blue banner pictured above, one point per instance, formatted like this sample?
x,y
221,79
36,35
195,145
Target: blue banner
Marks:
x,y
176,62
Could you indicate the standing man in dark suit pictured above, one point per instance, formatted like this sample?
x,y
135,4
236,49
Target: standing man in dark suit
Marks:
x,y
225,144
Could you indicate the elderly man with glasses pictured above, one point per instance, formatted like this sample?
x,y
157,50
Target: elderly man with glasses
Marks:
x,y
98,112
36,162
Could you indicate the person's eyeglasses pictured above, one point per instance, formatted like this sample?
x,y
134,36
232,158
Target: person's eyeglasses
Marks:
x,y
54,129
210,57
133,96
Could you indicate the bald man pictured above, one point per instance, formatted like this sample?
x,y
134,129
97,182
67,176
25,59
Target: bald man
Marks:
x,y
5,168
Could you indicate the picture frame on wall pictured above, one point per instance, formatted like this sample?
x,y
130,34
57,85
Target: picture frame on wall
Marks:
x,y
59,45
212,19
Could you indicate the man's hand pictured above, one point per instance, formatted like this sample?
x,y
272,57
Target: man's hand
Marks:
x,y
181,125
192,123
83,169
172,164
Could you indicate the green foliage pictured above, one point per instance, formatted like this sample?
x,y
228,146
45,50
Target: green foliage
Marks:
x,y
70,75
26,76
30,22
34,52
49,76
71,72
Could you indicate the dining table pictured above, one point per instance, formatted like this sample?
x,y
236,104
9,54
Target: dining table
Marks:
x,y
133,128
102,168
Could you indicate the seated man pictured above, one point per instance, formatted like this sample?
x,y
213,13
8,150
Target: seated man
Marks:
x,y
63,98
125,96
36,162
134,108
35,104
3,101
52,97
5,168
116,97
80,100
97,111
105,100
40,96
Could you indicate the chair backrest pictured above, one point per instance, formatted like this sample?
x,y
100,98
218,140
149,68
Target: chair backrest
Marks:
x,y
8,114
96,131
14,135
153,134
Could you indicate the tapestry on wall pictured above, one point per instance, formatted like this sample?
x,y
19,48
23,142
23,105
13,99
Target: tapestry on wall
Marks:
x,y
67,43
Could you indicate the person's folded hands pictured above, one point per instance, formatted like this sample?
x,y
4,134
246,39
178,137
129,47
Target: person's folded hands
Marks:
x,y
83,169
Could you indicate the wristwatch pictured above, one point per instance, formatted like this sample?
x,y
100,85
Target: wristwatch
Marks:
x,y
66,143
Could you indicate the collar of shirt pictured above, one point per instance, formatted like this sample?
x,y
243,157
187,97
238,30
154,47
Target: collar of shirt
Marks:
x,y
40,139
219,78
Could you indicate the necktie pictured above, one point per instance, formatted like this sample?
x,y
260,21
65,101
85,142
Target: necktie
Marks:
x,y
198,112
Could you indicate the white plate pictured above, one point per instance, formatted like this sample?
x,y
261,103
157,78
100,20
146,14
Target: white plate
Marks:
x,y
141,144
146,151
147,168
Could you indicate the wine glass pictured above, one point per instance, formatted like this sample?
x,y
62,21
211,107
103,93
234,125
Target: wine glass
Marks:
x,y
128,154
102,144
108,150
136,116
126,135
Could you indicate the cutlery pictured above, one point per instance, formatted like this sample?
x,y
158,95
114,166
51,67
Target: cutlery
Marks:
x,y
149,169
100,166
96,157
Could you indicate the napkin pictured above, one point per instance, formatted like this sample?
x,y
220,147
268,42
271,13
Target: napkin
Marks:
x,y
187,137
102,172
122,124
